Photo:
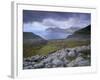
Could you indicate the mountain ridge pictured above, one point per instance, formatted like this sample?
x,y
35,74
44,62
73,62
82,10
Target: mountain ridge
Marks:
x,y
83,33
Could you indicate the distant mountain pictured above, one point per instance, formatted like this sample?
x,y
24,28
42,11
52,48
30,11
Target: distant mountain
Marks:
x,y
56,29
83,33
72,29
30,35
69,30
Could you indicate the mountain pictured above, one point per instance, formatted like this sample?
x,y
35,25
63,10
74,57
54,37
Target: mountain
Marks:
x,y
72,29
69,30
56,29
86,30
31,38
83,33
30,35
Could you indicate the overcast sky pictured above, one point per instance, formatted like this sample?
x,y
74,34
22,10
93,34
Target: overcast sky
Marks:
x,y
41,20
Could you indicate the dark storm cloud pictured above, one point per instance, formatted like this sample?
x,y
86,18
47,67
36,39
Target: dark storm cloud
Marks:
x,y
31,16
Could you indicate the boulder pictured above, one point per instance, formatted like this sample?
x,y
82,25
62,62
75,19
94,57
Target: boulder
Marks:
x,y
47,60
63,54
79,61
83,63
39,65
72,53
57,62
26,63
36,58
28,59
28,67
48,65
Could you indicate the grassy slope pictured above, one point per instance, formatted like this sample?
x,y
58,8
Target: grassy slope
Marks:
x,y
52,46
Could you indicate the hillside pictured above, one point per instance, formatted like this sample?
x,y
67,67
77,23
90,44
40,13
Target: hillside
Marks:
x,y
30,35
86,30
31,43
83,33
31,38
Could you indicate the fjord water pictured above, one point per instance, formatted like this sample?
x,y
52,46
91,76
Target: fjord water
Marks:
x,y
52,35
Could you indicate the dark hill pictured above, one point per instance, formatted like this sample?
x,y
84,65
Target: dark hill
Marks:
x,y
86,30
31,38
30,35
83,33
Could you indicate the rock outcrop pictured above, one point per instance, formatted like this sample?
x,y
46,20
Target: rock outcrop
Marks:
x,y
67,57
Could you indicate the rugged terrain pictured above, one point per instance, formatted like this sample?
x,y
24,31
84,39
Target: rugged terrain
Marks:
x,y
67,57
73,51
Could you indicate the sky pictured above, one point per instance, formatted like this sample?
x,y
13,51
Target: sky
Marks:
x,y
41,20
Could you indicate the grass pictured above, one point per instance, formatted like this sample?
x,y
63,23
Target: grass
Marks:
x,y
47,49
74,43
29,50
51,46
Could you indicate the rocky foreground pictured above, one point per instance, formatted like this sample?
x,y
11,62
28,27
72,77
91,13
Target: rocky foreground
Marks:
x,y
68,57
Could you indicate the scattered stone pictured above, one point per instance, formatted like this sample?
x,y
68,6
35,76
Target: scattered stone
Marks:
x,y
67,57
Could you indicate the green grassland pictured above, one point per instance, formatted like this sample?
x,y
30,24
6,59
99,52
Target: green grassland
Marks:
x,y
51,46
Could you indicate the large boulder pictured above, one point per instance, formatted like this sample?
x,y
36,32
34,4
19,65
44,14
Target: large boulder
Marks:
x,y
57,63
47,60
79,61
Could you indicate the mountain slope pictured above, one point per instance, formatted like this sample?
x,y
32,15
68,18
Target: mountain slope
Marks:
x,y
30,35
86,30
31,38
83,33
